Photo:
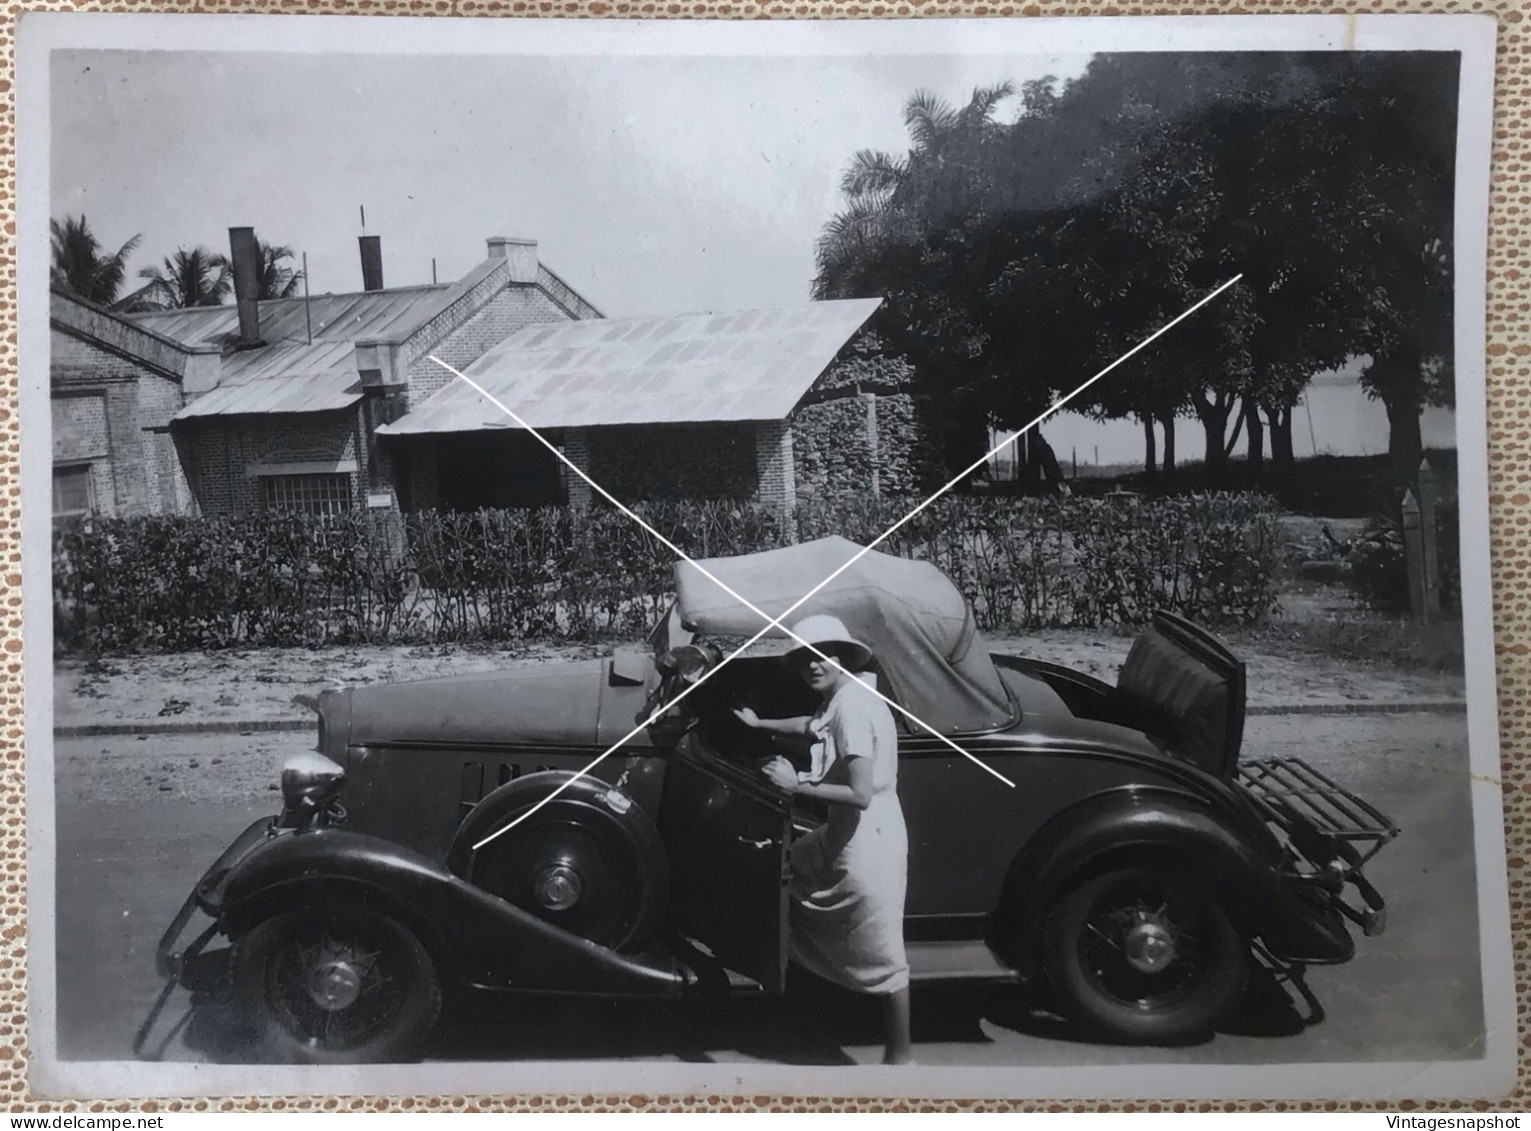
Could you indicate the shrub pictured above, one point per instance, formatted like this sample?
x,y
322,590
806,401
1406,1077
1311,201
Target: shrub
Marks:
x,y
1081,562
176,583
1374,564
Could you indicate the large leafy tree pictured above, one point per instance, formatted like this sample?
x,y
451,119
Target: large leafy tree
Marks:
x,y
1210,166
1015,259
1336,172
80,265
196,277
1407,152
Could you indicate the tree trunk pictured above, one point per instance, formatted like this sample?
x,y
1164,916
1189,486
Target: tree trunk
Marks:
x,y
1396,381
1405,446
1047,460
1150,448
1168,423
1238,427
1214,419
1256,455
1281,437
1033,461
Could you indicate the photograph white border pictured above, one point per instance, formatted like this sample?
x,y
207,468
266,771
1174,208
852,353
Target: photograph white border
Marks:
x,y
41,33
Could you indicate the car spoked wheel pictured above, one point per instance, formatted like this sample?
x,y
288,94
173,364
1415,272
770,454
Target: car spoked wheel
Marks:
x,y
1144,957
336,986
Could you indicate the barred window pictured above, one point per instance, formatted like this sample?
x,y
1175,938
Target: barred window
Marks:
x,y
310,494
72,494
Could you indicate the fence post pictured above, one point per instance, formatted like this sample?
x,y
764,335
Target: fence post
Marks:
x,y
1430,564
387,522
1414,557
874,455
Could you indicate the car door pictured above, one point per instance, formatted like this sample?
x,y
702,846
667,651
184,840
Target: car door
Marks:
x,y
726,830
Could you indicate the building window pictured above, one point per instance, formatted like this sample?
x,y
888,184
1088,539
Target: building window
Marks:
x,y
72,493
309,494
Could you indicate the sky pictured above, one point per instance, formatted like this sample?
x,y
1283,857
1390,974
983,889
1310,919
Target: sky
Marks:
x,y
652,185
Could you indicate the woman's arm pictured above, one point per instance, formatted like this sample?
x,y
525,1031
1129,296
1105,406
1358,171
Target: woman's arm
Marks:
x,y
798,725
858,793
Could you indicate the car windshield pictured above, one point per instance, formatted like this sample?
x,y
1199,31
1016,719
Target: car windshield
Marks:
x,y
668,632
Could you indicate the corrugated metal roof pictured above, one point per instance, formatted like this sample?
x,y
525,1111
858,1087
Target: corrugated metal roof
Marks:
x,y
351,317
744,365
311,392
290,373
284,361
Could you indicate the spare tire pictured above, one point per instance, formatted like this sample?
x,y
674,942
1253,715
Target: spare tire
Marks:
x,y
590,860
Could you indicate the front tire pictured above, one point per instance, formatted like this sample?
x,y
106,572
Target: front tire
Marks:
x,y
1142,957
336,985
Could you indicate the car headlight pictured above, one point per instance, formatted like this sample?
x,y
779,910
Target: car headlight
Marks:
x,y
309,780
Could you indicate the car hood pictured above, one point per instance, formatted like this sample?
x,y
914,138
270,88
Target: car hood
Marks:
x,y
569,703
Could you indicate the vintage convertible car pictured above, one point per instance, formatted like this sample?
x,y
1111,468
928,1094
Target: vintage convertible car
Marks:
x,y
1134,869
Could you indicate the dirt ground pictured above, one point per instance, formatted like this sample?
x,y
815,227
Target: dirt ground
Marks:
x,y
263,684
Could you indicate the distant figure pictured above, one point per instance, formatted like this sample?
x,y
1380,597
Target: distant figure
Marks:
x,y
848,876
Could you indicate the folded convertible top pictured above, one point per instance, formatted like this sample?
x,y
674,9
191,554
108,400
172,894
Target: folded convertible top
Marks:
x,y
916,622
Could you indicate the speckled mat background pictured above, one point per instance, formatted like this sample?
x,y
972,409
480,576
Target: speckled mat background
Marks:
x,y
1509,448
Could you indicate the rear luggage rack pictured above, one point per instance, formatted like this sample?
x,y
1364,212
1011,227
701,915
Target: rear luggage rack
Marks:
x,y
1309,806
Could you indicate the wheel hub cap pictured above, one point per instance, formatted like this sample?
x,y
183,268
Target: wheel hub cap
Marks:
x,y
557,887
1149,948
335,985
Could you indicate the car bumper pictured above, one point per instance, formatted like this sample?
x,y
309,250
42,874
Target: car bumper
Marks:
x,y
1310,926
207,897
177,966
1329,835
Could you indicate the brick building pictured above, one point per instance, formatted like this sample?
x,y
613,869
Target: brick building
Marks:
x,y
699,406
333,403
229,409
115,388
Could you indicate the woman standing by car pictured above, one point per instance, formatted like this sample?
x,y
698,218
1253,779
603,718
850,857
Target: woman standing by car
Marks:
x,y
849,875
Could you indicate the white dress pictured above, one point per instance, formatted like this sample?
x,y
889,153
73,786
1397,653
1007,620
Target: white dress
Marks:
x,y
849,876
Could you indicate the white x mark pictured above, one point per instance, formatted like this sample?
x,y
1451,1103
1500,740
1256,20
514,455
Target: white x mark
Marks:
x,y
776,622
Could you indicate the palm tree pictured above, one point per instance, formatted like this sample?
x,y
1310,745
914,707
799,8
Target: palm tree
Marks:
x,y
188,278
273,280
80,268
887,196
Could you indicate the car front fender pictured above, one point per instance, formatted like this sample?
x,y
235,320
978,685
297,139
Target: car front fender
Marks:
x,y
1127,826
474,937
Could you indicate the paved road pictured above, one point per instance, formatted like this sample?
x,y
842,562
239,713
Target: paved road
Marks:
x,y
137,823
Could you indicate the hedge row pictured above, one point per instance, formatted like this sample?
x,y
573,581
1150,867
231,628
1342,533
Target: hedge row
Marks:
x,y
176,583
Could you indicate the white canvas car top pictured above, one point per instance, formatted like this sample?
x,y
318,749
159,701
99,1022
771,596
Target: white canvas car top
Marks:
x,y
919,627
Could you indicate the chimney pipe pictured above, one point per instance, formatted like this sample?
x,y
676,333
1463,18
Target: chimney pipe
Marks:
x,y
246,270
371,263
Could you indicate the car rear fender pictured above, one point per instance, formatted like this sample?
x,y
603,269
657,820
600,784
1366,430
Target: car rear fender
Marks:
x,y
1133,825
474,937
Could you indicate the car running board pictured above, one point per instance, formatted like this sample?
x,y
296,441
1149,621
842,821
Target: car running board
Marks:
x,y
960,961
943,961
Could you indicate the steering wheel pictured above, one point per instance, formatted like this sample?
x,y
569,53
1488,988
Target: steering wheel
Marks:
x,y
679,668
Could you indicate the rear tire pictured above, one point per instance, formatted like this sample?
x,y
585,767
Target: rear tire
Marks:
x,y
1142,957
336,985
